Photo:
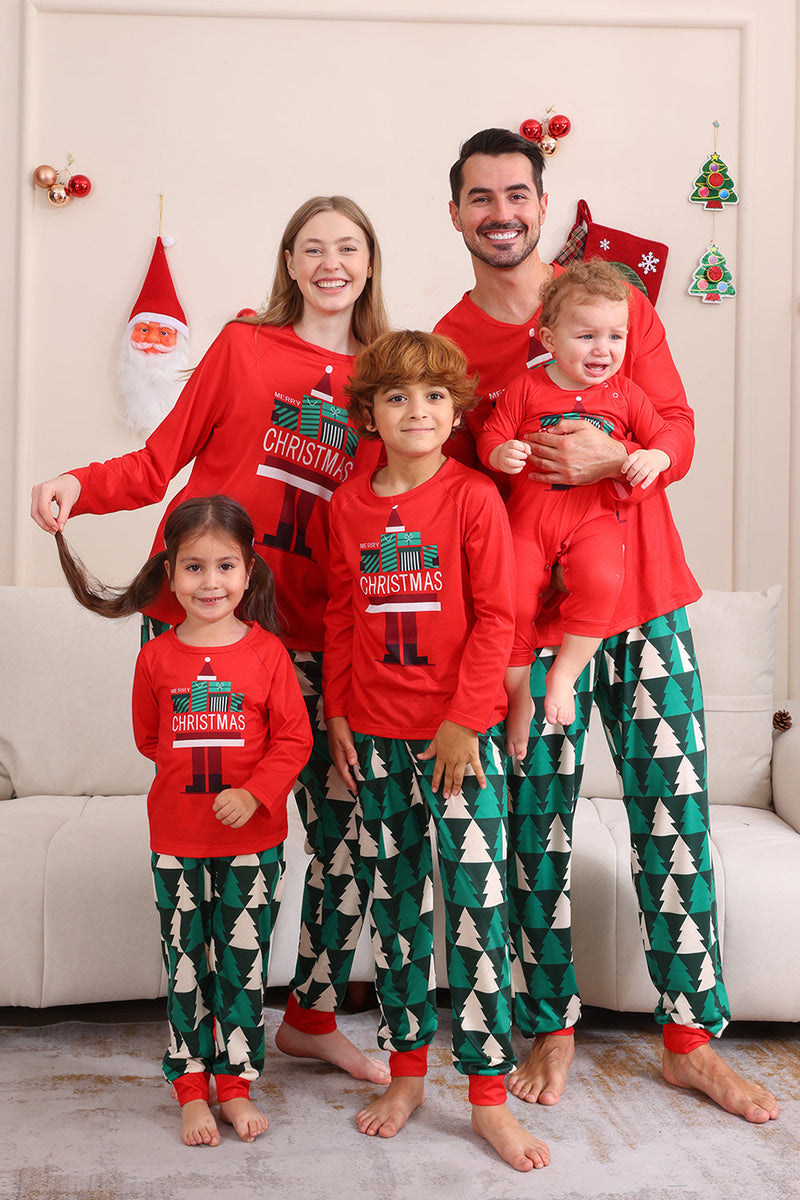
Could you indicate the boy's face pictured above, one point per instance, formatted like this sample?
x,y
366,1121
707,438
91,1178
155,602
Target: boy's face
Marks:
x,y
413,420
587,341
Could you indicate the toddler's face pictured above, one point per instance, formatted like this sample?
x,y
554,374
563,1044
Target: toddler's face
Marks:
x,y
587,341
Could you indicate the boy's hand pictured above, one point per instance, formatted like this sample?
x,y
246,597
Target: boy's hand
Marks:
x,y
520,711
644,466
454,747
343,750
235,807
510,457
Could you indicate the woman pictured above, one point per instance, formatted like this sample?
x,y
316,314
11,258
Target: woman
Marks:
x,y
265,420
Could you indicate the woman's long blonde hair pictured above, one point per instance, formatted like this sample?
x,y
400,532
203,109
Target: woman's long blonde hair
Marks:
x,y
285,304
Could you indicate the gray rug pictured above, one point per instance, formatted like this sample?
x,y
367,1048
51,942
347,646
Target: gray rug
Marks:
x,y
86,1114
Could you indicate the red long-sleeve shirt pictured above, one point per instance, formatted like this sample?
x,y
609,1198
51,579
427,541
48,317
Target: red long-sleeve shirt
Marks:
x,y
233,710
420,620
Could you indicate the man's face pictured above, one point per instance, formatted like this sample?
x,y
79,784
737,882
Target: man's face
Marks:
x,y
499,213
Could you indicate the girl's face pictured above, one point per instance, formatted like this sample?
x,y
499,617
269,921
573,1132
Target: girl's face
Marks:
x,y
209,579
330,262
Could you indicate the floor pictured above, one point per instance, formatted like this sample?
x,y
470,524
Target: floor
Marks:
x,y
86,1114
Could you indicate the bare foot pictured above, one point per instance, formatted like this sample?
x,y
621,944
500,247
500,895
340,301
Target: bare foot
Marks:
x,y
332,1048
543,1076
387,1115
242,1114
704,1070
559,699
198,1127
510,1139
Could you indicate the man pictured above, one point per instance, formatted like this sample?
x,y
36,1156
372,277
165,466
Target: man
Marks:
x,y
498,206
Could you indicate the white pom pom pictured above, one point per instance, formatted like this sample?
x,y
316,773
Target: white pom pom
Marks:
x,y
168,241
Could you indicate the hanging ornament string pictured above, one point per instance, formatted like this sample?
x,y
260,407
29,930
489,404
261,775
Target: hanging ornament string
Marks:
x,y
712,280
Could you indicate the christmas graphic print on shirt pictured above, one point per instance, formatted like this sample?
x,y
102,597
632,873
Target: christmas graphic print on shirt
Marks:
x,y
419,624
308,450
213,718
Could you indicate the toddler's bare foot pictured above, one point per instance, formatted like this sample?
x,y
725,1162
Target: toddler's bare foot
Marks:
x,y
242,1114
198,1127
512,1141
559,699
387,1115
332,1048
704,1070
542,1078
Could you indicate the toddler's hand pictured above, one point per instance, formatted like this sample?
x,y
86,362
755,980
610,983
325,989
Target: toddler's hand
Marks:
x,y
510,457
235,807
644,466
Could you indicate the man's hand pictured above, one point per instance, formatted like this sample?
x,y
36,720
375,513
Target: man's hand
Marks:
x,y
235,807
575,453
455,748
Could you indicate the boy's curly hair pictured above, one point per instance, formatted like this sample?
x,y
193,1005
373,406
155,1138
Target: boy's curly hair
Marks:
x,y
403,357
581,283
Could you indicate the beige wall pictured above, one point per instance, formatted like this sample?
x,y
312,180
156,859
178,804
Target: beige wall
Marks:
x,y
238,117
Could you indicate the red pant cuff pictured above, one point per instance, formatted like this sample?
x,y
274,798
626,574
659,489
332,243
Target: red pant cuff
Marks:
x,y
308,1020
487,1089
561,1032
230,1087
193,1086
682,1039
403,1063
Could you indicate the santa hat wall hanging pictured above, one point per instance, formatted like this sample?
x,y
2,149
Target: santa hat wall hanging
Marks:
x,y
713,188
154,351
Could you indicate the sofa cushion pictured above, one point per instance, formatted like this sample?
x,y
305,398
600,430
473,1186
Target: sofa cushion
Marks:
x,y
65,724
734,637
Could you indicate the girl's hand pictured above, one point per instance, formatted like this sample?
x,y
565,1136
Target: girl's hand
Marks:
x,y
65,490
510,457
343,750
235,807
644,466
455,748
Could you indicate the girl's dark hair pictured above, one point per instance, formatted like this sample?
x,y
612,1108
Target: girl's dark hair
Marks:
x,y
217,515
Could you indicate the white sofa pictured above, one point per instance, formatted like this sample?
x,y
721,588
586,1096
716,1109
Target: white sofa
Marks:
x,y
78,923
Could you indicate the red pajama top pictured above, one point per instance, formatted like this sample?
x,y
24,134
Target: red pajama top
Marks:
x,y
236,711
657,578
420,621
264,418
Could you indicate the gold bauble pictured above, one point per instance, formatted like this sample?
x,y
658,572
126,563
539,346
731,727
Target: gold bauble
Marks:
x,y
58,195
44,176
548,145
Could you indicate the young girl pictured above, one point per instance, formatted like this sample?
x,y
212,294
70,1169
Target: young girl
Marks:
x,y
417,635
584,325
217,706
264,417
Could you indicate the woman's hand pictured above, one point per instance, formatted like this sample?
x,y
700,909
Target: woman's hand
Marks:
x,y
65,490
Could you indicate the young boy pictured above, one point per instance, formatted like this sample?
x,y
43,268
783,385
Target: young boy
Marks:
x,y
418,631
584,325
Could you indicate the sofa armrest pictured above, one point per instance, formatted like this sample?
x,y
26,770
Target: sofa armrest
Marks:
x,y
786,769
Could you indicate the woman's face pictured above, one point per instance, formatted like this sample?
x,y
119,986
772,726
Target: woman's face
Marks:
x,y
330,262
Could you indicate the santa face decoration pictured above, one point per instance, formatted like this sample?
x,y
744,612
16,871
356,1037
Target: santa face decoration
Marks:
x,y
153,337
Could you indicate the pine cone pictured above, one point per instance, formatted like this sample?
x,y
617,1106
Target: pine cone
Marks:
x,y
782,720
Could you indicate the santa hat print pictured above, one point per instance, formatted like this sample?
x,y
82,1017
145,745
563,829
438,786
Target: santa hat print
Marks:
x,y
206,672
536,351
158,300
324,390
395,524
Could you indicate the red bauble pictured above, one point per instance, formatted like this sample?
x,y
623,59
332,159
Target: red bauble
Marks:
x,y
714,274
532,130
559,126
79,185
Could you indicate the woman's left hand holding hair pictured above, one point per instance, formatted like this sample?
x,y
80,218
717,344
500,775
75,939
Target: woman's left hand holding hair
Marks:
x,y
65,490
235,806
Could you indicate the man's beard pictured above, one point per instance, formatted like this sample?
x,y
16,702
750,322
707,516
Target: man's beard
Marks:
x,y
150,383
499,258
